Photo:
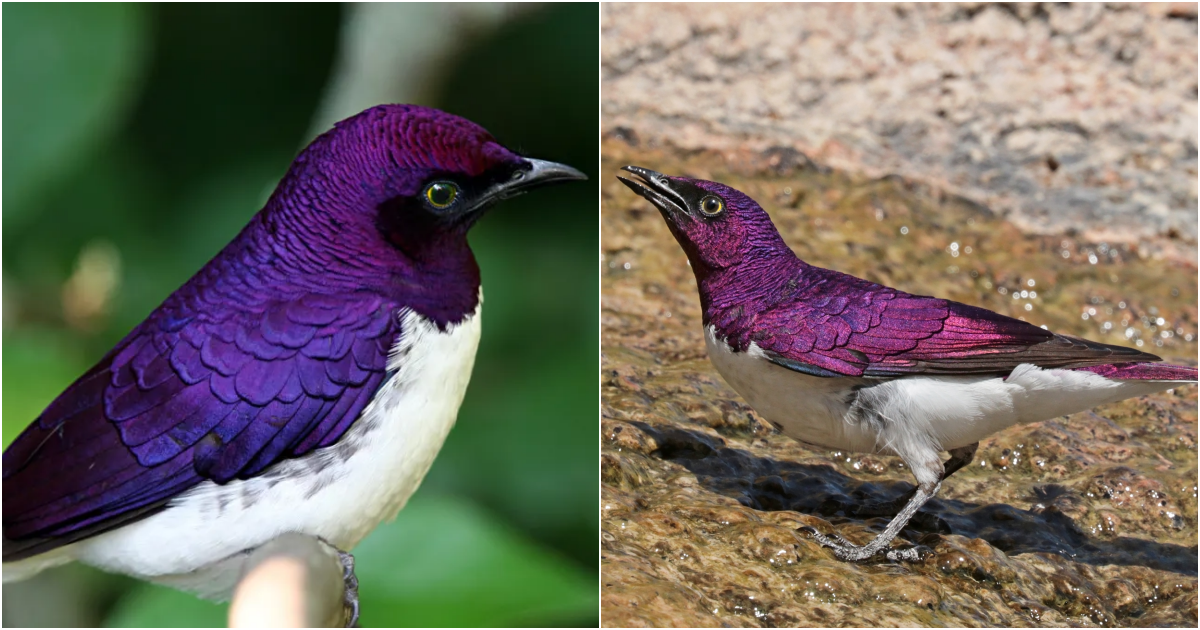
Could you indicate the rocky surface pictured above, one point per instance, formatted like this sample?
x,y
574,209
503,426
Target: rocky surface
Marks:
x,y
1086,520
1069,119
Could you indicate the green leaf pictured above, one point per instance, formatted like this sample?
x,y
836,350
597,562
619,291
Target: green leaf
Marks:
x,y
151,606
74,67
446,562
531,405
38,366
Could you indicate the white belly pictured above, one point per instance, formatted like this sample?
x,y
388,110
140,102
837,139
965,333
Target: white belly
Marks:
x,y
339,493
910,416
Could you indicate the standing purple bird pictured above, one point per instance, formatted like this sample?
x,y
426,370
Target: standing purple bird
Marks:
x,y
847,364
302,381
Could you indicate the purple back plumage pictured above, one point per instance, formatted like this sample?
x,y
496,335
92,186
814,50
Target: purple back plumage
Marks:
x,y
754,291
273,348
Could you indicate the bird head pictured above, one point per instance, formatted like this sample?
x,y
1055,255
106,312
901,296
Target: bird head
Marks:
x,y
409,177
717,226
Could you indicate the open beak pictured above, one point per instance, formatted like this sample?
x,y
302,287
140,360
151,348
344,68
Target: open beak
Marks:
x,y
655,188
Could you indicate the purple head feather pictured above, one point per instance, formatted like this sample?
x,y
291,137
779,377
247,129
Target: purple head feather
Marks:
x,y
358,209
717,226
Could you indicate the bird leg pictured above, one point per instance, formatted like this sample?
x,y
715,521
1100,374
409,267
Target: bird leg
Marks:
x,y
959,457
845,550
848,551
350,598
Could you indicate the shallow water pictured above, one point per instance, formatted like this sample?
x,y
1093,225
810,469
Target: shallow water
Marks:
x,y
1084,520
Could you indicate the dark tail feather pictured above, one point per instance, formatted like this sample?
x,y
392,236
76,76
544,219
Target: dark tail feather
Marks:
x,y
1143,372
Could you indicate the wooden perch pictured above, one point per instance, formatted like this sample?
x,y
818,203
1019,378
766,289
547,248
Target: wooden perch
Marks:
x,y
294,581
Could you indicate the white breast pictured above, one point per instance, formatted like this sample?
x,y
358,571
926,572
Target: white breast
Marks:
x,y
806,408
339,493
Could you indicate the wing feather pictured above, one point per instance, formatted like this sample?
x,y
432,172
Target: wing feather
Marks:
x,y
198,392
832,324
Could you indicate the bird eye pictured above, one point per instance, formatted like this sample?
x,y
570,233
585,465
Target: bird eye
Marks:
x,y
711,205
441,195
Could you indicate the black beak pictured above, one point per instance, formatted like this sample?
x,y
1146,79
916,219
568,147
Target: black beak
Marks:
x,y
539,173
655,188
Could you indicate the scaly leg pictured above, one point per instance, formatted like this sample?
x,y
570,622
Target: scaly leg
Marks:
x,y
959,458
850,552
925,491
351,594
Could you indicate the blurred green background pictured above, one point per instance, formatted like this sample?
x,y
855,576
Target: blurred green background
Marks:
x,y
138,139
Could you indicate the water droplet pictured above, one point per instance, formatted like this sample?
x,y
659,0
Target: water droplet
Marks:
x,y
1031,282
1029,307
1033,294
904,229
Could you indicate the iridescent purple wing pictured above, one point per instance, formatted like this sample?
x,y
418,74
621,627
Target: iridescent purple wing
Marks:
x,y
838,325
190,395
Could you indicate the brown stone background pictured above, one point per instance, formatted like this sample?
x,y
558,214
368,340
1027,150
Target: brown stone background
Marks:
x,y
1065,118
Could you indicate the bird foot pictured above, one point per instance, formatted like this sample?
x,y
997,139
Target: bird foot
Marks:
x,y
850,552
350,598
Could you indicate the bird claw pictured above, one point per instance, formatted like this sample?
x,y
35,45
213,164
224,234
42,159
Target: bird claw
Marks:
x,y
850,552
911,554
834,541
350,597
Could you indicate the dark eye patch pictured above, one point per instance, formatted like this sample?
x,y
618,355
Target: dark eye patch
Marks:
x,y
691,194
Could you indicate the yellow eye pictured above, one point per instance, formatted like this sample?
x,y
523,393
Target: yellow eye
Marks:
x,y
441,195
711,205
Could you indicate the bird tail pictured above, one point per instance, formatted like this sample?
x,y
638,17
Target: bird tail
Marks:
x,y
1144,372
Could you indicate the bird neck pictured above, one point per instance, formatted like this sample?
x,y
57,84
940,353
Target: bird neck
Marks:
x,y
754,284
437,278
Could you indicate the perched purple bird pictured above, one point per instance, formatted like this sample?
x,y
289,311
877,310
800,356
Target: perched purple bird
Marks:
x,y
302,381
848,364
